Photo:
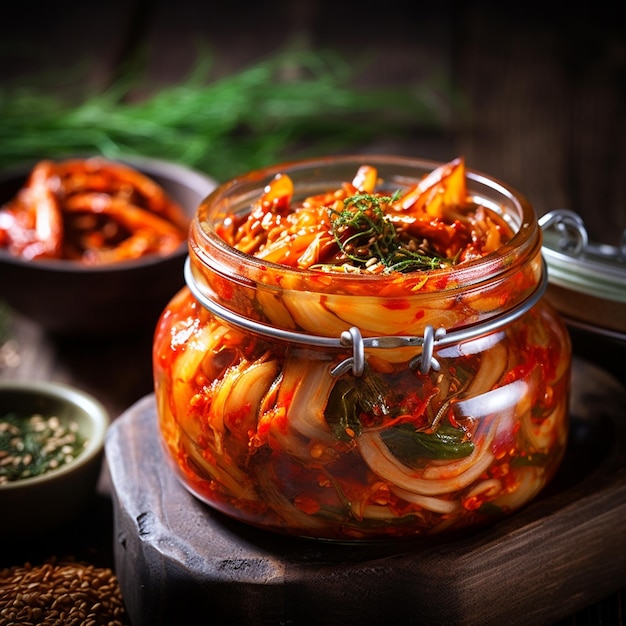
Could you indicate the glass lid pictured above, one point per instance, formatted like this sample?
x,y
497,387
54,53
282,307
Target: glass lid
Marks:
x,y
587,271
576,263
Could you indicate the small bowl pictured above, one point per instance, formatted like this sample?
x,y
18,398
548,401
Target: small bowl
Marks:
x,y
56,496
69,298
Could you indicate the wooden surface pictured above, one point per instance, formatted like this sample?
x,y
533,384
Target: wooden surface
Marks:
x,y
559,554
538,102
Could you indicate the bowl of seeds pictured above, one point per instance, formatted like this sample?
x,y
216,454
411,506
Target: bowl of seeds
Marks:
x,y
51,452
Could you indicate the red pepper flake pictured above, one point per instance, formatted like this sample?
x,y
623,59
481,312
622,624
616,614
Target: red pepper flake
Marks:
x,y
500,470
395,304
306,504
473,503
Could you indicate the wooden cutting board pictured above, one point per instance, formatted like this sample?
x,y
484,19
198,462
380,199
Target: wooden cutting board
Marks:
x,y
180,562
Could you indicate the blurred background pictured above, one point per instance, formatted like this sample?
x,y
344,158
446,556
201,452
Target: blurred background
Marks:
x,y
530,96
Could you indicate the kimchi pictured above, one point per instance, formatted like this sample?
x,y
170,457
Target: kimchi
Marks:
x,y
284,433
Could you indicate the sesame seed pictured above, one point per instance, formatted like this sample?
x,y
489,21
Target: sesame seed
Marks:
x,y
32,445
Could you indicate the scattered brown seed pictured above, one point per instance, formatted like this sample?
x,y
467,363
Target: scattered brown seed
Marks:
x,y
61,593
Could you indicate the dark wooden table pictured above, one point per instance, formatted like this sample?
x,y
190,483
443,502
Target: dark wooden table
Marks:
x,y
538,101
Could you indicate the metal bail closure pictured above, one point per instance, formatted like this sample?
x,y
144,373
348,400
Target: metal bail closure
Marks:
x,y
574,237
426,360
356,362
353,337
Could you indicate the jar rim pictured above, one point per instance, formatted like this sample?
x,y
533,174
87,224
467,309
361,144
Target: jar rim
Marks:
x,y
527,234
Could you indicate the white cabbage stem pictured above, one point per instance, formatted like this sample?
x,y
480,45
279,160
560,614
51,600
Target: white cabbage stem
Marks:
x,y
488,488
430,503
530,481
304,391
493,364
185,368
541,435
371,318
276,500
230,478
385,465
240,393
311,315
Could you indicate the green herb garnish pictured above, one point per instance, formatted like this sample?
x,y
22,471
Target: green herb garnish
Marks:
x,y
368,238
297,103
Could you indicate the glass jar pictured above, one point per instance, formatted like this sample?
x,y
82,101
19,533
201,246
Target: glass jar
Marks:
x,y
343,407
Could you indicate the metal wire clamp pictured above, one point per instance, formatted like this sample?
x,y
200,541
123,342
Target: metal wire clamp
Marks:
x,y
574,239
353,338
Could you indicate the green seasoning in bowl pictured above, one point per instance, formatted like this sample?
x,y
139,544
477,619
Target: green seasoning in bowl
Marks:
x,y
51,450
33,445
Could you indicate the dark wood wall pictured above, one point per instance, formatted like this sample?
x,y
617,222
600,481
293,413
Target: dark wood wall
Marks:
x,y
531,95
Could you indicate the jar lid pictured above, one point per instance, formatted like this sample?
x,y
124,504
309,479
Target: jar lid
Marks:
x,y
587,281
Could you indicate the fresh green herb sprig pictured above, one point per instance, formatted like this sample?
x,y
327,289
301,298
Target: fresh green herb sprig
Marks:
x,y
294,104
368,238
33,445
361,230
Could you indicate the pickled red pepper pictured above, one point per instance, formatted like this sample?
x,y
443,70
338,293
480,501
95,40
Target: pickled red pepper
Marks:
x,y
357,229
265,433
92,211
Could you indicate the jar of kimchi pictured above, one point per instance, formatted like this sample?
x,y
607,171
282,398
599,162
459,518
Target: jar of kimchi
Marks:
x,y
362,351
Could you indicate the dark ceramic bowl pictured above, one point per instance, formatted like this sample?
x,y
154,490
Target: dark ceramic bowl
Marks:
x,y
42,502
67,298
